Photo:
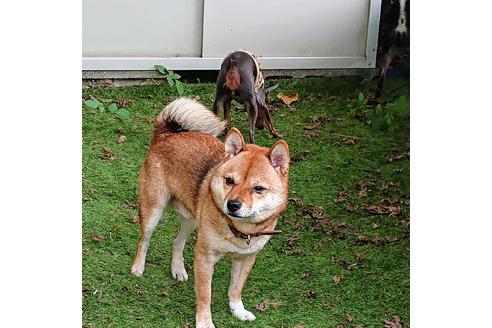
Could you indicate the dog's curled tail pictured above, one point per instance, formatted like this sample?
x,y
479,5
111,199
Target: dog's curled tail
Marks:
x,y
187,114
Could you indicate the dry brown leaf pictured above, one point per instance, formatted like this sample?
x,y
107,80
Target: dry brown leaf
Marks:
x,y
350,208
121,139
351,140
346,265
95,237
380,209
336,280
106,153
135,219
299,326
187,325
123,103
265,304
349,318
301,156
362,193
290,241
288,99
398,157
375,225
361,257
312,126
395,323
310,294
341,197
130,205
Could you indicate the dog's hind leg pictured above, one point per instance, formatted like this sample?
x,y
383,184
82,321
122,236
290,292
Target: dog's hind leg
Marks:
x,y
188,224
152,200
149,217
252,108
222,103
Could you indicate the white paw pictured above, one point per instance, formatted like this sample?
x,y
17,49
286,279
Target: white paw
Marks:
x,y
205,324
138,269
238,310
179,272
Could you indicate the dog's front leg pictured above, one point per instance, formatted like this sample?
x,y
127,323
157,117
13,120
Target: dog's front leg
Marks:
x,y
204,269
241,266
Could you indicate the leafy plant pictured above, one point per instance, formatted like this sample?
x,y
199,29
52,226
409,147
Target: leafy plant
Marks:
x,y
172,78
122,113
386,118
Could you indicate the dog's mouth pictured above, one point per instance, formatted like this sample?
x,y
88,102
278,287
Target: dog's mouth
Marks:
x,y
235,215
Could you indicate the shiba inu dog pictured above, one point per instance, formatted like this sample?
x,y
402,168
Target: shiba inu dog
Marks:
x,y
232,191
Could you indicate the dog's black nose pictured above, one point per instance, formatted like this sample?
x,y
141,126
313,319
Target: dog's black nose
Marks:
x,y
233,205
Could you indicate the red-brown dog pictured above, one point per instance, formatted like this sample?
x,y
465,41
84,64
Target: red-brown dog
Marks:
x,y
233,191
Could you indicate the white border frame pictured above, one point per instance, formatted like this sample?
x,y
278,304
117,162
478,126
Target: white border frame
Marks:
x,y
202,63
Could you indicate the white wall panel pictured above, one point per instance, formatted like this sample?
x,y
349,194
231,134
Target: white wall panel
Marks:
x,y
286,28
142,28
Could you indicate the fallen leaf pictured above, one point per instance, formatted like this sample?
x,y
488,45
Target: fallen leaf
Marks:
x,y
395,323
135,219
121,139
346,265
301,156
380,209
362,256
309,134
349,318
362,193
299,326
341,197
312,126
265,304
288,99
351,140
187,325
106,153
310,294
123,103
375,225
130,205
340,326
290,241
95,237
350,208
336,280
398,157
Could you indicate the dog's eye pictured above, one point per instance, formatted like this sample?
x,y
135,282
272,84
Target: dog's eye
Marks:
x,y
229,181
259,189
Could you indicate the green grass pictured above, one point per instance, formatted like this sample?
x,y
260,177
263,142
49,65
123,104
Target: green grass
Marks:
x,y
377,289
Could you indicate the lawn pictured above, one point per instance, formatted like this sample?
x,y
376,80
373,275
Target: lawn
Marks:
x,y
344,255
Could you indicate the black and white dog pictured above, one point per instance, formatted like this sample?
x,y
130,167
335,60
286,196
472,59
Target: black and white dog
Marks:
x,y
394,34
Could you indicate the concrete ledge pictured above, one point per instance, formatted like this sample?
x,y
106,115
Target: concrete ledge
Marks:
x,y
132,78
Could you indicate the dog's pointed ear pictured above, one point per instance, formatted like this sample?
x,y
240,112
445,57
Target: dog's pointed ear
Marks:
x,y
234,142
280,157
